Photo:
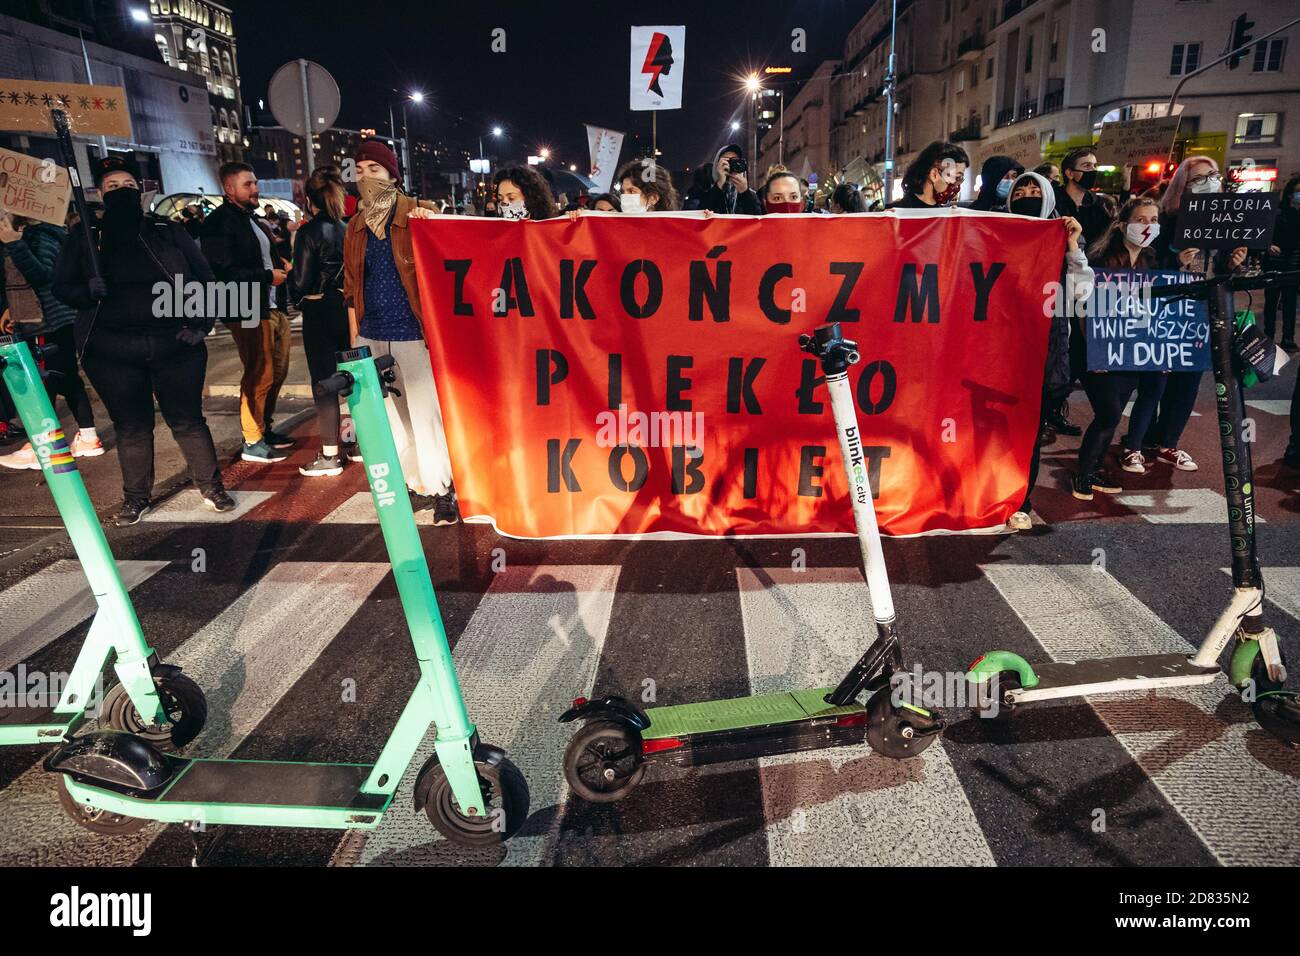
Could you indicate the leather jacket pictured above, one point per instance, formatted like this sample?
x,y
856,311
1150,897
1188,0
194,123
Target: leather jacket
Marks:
x,y
317,258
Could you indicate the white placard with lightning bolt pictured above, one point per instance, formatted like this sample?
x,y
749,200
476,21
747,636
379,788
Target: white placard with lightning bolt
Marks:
x,y
658,59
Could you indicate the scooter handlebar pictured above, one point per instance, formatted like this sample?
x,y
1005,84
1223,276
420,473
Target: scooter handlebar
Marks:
x,y
1236,283
340,383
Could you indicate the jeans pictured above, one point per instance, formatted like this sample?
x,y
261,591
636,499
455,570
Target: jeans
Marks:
x,y
1175,409
324,332
66,380
1150,387
129,371
1108,392
264,353
1295,415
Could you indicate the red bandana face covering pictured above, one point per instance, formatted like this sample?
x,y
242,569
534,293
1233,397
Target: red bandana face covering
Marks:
x,y
948,195
783,207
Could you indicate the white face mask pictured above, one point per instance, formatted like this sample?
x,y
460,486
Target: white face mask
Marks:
x,y
513,210
631,203
1142,233
1209,186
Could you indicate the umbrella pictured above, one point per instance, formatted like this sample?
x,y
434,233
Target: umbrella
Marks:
x,y
564,181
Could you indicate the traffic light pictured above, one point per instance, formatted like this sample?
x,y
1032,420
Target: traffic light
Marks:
x,y
1241,28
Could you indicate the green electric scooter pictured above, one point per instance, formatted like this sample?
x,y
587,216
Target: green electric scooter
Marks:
x,y
468,789
607,757
152,700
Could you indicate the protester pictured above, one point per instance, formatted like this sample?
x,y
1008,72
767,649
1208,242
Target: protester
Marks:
x,y
847,199
1031,195
1127,244
606,202
646,186
1051,172
783,193
1199,175
729,190
385,314
1284,256
1075,197
997,176
133,352
30,249
701,181
522,193
240,247
934,178
317,288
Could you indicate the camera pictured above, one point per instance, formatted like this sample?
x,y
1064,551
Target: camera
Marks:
x,y
737,165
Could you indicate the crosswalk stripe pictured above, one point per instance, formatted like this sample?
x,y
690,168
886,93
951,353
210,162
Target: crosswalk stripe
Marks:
x,y
532,644
360,509
1179,506
41,608
844,805
188,507
1273,406
245,660
1198,745
1282,587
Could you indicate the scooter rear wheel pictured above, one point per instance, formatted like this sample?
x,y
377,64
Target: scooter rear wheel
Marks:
x,y
182,699
97,821
1276,709
505,797
603,762
895,731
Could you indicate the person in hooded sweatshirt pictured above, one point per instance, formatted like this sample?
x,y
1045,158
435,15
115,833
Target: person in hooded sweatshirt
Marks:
x,y
997,176
1032,195
730,191
934,178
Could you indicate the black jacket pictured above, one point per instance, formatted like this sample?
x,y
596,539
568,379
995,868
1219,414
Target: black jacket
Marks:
x,y
1092,215
746,203
317,258
233,251
165,244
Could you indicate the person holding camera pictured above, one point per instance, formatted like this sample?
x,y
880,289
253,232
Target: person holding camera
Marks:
x,y
731,192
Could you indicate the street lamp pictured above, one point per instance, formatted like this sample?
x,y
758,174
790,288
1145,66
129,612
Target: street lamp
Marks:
x,y
735,126
544,153
139,15
416,97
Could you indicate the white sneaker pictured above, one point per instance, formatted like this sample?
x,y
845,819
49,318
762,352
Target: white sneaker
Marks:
x,y
1178,458
1135,462
86,447
22,459
1020,521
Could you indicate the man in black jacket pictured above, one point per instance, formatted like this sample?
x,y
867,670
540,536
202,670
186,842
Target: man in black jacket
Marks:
x,y
730,192
1075,198
240,248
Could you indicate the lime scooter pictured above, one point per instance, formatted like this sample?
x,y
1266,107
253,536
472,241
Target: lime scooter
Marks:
x,y
153,700
1256,664
470,792
608,756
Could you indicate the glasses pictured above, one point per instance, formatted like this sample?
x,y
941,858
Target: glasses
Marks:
x,y
1211,178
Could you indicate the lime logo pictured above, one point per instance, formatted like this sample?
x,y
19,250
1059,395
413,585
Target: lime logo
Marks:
x,y
1220,390
1246,488
1225,428
1229,457
1231,482
1234,514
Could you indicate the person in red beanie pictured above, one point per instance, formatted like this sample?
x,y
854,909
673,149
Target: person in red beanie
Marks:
x,y
384,308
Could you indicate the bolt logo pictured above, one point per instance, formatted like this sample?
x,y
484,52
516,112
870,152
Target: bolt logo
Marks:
x,y
658,59
857,464
379,485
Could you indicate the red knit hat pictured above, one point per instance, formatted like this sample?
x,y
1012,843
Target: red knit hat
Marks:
x,y
378,152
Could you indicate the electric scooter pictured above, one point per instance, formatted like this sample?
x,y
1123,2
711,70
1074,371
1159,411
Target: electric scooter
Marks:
x,y
153,700
470,792
1256,664
608,756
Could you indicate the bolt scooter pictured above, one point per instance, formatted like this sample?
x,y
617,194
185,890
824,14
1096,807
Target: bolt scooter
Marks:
x,y
154,700
607,757
1256,663
470,792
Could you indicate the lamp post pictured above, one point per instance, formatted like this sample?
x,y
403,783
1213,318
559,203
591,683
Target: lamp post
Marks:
x,y
753,85
889,108
416,97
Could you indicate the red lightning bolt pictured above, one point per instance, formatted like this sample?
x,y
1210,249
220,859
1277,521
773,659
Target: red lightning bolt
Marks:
x,y
650,68
1146,232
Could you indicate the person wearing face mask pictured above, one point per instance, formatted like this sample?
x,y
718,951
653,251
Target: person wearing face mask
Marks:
x,y
783,194
521,193
1031,195
997,175
242,248
646,186
934,178
729,192
1075,197
1284,256
1198,175
1127,244
384,313
133,355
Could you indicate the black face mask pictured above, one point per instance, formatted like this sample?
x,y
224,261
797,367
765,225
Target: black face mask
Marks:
x,y
1087,180
123,204
1027,206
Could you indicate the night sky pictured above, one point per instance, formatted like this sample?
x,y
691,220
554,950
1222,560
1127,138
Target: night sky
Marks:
x,y
566,64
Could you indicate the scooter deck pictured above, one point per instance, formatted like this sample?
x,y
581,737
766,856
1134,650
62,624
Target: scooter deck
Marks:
x,y
272,783
36,725
1115,674
765,710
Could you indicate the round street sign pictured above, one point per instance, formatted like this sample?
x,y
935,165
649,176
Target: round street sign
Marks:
x,y
288,87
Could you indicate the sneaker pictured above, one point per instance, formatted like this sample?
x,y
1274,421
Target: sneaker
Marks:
x,y
133,509
1046,435
23,458
1291,457
324,466
276,440
261,451
1106,483
1133,461
445,510
11,431
1020,521
1062,425
219,500
352,452
1081,487
420,502
86,447
1178,458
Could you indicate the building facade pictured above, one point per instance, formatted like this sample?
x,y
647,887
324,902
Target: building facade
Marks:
x,y
801,141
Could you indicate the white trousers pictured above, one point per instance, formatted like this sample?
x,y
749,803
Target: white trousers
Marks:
x,y
416,417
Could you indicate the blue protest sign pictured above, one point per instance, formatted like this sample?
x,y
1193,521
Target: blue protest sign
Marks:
x,y
1129,331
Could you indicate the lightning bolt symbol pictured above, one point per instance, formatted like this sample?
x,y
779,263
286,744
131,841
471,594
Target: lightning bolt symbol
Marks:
x,y
1146,232
650,68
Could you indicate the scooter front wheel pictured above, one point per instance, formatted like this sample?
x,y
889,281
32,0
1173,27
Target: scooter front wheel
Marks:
x,y
182,699
505,797
97,821
1276,709
603,761
899,731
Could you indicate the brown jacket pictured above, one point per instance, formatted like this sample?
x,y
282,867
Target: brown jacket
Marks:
x,y
354,255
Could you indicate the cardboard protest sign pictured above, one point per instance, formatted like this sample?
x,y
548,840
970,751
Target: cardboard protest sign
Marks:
x,y
35,188
1130,331
92,110
1225,221
1134,141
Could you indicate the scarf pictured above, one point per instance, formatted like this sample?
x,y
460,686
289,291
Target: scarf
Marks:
x,y
377,200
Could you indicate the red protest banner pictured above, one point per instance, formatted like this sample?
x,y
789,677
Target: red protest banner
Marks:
x,y
635,375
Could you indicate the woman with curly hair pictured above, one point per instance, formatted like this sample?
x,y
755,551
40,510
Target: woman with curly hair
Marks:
x,y
522,193
646,186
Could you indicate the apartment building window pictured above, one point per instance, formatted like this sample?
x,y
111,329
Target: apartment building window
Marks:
x,y
1056,36
1268,55
1186,58
1256,128
947,10
974,76
961,80
1029,54
988,73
